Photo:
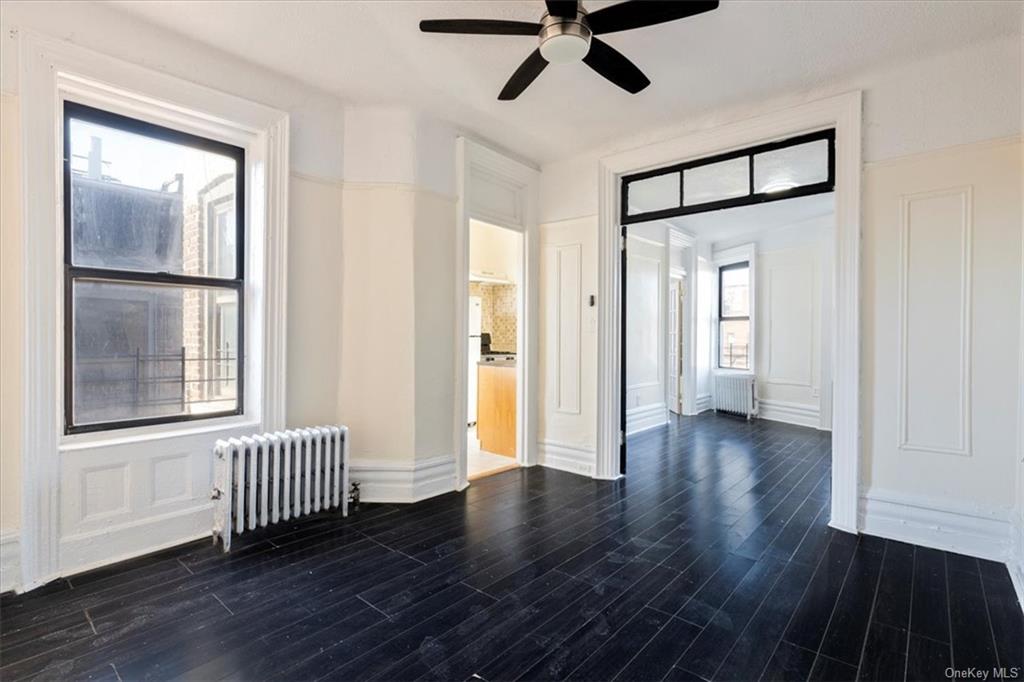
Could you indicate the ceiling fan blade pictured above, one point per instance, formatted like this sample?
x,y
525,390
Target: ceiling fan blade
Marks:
x,y
639,13
495,27
611,64
524,75
566,9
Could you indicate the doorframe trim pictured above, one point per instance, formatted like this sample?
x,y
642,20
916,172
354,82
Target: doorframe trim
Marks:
x,y
518,184
844,114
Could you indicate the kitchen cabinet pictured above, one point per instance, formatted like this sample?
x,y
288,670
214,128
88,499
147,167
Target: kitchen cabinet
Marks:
x,y
496,407
493,253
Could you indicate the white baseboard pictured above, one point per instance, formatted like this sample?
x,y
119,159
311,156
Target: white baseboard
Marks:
x,y
10,560
964,529
646,417
1016,562
388,481
575,460
703,402
85,551
790,413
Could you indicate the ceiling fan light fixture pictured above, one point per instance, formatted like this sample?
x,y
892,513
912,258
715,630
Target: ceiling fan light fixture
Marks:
x,y
564,49
563,41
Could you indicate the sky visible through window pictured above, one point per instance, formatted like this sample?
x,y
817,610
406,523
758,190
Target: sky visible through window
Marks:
x,y
123,163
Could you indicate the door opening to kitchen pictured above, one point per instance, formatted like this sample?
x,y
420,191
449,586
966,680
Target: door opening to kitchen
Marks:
x,y
494,290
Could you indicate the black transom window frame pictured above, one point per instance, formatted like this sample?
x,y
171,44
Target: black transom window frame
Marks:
x,y
73,273
750,198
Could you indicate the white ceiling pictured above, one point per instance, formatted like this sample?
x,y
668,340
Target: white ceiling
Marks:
x,y
726,225
373,52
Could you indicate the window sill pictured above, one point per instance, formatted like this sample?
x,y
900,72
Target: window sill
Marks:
x,y
147,434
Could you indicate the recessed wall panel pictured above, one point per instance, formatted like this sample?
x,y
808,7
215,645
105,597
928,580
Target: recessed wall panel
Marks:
x,y
568,270
172,479
935,285
791,324
104,491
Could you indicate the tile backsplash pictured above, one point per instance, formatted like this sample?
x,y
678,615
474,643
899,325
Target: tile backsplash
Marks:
x,y
498,313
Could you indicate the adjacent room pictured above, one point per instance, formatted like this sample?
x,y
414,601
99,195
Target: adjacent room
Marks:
x,y
494,272
512,340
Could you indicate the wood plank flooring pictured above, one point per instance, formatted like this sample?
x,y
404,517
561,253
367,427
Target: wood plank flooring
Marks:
x,y
712,560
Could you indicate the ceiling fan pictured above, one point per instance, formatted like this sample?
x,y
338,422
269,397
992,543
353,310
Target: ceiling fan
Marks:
x,y
567,34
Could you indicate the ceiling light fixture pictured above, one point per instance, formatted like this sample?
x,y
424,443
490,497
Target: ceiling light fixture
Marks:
x,y
568,33
564,41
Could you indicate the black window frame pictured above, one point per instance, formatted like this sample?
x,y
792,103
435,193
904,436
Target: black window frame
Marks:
x,y
733,318
73,273
750,198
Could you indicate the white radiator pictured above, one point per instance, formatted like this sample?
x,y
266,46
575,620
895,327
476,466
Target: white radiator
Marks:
x,y
735,393
271,477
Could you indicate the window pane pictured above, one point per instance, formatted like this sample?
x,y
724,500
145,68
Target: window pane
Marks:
x,y
716,181
653,194
782,169
147,350
736,292
734,344
139,203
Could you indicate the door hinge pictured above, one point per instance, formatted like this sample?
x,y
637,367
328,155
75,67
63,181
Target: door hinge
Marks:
x,y
622,437
622,242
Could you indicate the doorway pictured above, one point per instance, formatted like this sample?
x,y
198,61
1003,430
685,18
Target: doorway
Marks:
x,y
492,389
501,192
774,201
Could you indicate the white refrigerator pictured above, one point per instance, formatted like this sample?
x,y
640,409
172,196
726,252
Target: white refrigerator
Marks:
x,y
474,354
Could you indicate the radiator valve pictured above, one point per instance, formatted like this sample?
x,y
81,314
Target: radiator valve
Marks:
x,y
353,495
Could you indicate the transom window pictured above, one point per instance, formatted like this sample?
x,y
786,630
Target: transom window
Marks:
x,y
154,273
734,316
795,167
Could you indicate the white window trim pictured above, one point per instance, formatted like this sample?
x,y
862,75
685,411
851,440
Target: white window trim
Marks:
x,y
719,259
51,71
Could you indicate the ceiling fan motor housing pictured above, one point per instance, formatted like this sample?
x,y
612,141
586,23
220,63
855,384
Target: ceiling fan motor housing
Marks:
x,y
564,40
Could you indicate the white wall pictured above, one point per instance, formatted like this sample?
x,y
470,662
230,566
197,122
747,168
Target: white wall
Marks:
x,y
942,267
567,428
704,296
647,275
789,327
314,245
964,96
792,293
11,308
317,124
380,173
956,109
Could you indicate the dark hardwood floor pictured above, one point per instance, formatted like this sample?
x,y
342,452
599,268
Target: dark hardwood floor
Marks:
x,y
712,560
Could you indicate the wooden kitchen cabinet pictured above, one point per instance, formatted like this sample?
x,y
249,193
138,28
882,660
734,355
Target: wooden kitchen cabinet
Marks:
x,y
496,408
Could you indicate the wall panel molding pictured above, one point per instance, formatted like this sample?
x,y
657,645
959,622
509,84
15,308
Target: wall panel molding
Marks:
x,y
568,327
805,376
922,254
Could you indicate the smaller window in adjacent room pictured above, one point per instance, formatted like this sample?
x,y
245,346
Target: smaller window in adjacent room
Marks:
x,y
154,273
734,316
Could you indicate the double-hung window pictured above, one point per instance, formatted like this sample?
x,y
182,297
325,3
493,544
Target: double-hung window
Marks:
x,y
154,263
734,316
